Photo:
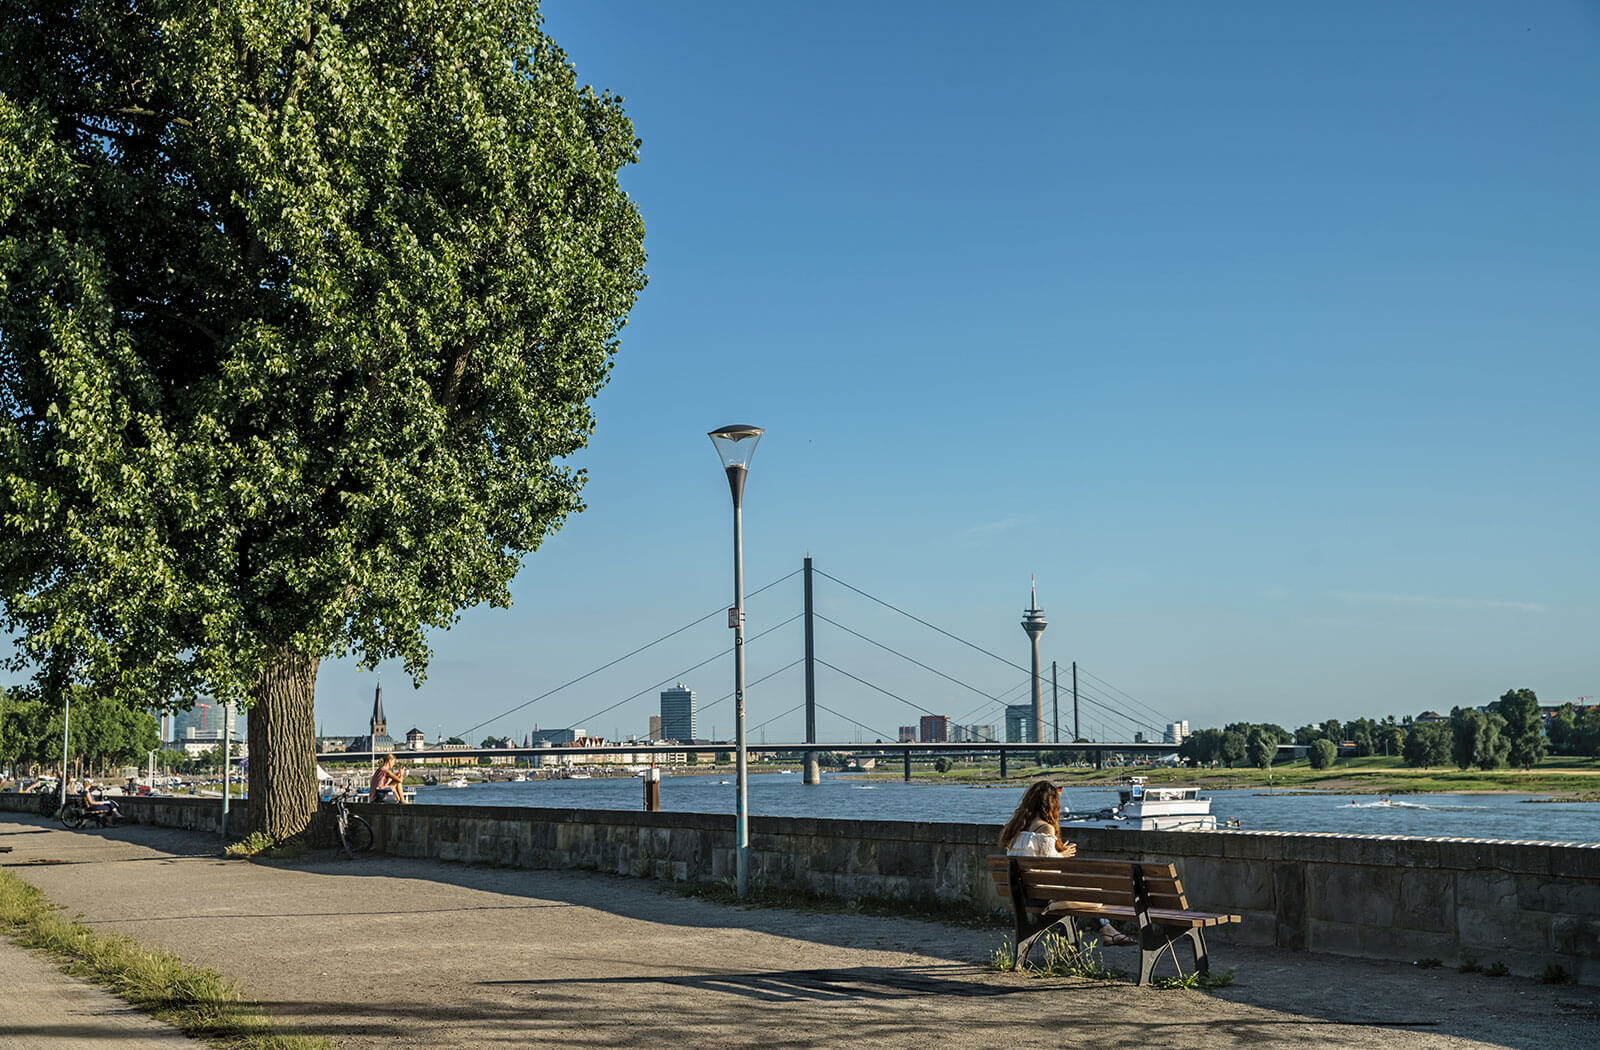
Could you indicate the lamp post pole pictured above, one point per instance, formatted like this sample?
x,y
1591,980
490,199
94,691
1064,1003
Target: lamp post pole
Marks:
x,y
736,444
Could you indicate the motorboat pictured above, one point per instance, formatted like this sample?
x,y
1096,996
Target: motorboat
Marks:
x,y
1145,807
456,782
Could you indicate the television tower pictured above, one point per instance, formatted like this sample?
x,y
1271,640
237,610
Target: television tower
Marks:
x,y
1034,624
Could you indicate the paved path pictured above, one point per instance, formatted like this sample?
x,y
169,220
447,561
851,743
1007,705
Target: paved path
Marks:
x,y
42,1008
389,953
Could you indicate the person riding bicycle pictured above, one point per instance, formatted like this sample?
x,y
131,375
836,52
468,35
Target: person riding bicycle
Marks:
x,y
386,782
103,810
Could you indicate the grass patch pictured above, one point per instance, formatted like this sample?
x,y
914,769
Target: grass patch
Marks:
x,y
1064,959
258,844
1202,981
199,1002
927,908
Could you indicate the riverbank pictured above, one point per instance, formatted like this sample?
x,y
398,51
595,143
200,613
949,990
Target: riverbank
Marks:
x,y
1574,779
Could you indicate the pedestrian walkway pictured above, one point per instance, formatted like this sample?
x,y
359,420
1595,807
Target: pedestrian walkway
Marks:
x,y
385,952
42,1008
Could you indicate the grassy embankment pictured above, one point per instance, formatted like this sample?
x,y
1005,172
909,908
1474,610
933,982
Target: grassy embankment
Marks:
x,y
199,1002
1573,778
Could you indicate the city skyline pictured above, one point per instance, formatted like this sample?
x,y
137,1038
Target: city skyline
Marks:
x,y
1261,335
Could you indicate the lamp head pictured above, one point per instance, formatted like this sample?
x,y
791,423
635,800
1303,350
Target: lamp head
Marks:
x,y
736,444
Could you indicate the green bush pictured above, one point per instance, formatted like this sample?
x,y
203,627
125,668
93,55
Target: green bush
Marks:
x,y
1322,753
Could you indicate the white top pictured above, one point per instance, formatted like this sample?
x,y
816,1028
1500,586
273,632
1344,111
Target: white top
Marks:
x,y
1033,844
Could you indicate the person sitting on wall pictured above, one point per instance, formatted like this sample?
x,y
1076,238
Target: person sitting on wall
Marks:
x,y
1034,830
385,786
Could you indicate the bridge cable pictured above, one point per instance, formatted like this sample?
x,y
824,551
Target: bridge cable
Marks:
x,y
463,735
970,645
679,676
903,656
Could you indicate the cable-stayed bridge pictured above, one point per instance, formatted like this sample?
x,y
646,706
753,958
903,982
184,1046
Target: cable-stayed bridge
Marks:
x,y
1092,709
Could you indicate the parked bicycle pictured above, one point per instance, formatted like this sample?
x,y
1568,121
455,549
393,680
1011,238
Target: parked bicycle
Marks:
x,y
355,834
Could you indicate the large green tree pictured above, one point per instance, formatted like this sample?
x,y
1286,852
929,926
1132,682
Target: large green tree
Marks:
x,y
1524,726
302,307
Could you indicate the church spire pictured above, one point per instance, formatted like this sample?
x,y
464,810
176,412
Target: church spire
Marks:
x,y
379,726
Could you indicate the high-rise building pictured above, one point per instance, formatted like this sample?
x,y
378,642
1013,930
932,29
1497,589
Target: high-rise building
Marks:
x,y
1176,732
1019,724
677,713
908,734
655,727
931,729
980,734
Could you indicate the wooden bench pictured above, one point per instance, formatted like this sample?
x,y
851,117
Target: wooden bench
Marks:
x,y
1046,893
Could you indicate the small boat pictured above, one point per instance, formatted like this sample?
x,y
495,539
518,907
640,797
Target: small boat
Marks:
x,y
1142,807
578,776
520,778
456,782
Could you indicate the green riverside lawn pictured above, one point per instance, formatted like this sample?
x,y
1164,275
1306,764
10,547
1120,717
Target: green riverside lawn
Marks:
x,y
1562,776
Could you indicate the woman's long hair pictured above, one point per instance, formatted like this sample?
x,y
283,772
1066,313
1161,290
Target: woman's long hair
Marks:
x,y
1041,803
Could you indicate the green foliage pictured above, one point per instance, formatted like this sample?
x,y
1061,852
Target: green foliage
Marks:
x,y
302,308
1478,739
1553,974
1429,963
1262,749
1322,753
104,732
1232,747
1496,969
1205,981
456,740
1469,964
943,764
1427,745
1063,959
1524,727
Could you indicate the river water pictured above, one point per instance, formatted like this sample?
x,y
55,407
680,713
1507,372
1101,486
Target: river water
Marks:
x,y
783,795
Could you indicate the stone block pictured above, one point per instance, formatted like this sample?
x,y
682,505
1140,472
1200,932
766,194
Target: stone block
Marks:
x,y
1427,901
1485,930
1228,885
1360,895
1575,862
1291,913
1559,896
1334,938
1576,935
1485,889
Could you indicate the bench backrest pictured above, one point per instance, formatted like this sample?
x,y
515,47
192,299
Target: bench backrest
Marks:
x,y
1105,882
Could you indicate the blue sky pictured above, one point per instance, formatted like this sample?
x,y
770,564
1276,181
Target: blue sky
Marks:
x,y
1262,334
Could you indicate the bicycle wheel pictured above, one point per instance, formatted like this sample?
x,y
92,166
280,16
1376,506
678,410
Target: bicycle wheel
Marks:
x,y
73,815
357,835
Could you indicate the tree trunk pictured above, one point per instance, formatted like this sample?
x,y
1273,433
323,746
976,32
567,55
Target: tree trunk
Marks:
x,y
283,746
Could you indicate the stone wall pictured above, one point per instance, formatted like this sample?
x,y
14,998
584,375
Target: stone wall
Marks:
x,y
1527,905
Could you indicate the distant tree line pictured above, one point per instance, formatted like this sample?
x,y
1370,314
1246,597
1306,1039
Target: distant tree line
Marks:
x,y
104,733
1511,733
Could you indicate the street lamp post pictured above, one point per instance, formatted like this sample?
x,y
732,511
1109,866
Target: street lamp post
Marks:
x,y
736,445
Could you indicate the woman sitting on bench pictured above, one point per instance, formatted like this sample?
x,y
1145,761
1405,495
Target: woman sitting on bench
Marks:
x,y
1034,830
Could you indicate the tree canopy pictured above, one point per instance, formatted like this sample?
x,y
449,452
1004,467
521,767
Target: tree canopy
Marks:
x,y
301,309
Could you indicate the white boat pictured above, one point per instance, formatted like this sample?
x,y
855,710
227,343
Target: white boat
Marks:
x,y
578,776
1144,807
520,778
456,782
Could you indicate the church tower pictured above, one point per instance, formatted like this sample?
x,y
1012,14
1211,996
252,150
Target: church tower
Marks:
x,y
380,728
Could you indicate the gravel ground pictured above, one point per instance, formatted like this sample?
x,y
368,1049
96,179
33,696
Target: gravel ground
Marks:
x,y
394,953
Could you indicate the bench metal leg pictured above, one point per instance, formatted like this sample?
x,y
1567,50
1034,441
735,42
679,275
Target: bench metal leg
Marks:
x,y
1202,960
